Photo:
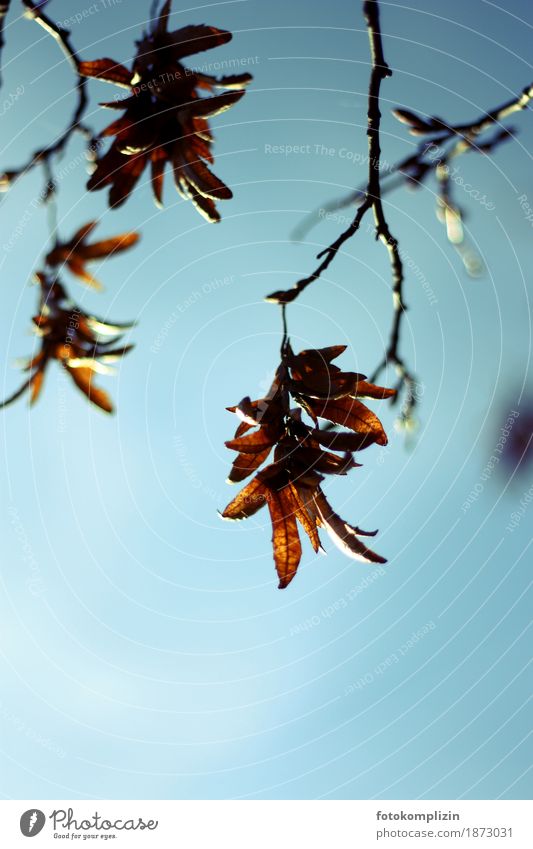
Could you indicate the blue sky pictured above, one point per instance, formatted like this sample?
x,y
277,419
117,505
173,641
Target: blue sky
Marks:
x,y
145,651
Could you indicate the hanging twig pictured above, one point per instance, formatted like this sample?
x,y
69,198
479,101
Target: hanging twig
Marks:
x,y
380,70
414,169
370,199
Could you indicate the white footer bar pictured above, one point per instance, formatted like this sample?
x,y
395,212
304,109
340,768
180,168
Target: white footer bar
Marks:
x,y
269,824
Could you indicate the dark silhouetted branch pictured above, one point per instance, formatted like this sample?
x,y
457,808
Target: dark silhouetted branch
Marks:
x,y
371,198
372,195
380,70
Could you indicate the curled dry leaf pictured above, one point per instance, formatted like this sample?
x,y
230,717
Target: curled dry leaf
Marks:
x,y
303,453
166,117
76,252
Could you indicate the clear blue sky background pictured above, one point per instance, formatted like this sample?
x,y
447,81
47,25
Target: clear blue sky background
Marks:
x,y
145,650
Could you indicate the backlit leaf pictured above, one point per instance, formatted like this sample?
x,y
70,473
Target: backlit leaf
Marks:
x,y
247,502
342,534
350,413
107,70
285,538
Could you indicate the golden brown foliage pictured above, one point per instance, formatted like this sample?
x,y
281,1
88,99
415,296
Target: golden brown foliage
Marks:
x,y
303,453
76,252
74,340
165,117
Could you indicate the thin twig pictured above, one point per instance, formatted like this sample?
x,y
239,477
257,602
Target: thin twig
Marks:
x,y
45,154
50,200
285,296
372,194
380,70
4,9
285,337
371,199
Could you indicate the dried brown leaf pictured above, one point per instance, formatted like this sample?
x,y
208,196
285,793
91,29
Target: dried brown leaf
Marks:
x,y
351,413
107,70
342,534
247,502
245,464
286,543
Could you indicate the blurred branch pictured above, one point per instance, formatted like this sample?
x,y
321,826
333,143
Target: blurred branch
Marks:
x,y
448,141
43,155
415,168
4,9
451,214
18,394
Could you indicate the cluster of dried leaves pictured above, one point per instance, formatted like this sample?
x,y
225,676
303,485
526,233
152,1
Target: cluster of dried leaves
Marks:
x,y
304,452
82,344
165,116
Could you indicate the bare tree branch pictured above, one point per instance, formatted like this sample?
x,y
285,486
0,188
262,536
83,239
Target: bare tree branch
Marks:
x,y
372,195
370,199
380,70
